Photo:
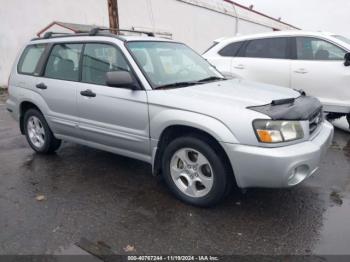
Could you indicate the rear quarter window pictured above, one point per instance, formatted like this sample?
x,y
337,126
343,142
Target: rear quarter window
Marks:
x,y
231,50
30,58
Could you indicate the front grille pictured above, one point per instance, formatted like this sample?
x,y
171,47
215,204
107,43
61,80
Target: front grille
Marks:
x,y
315,120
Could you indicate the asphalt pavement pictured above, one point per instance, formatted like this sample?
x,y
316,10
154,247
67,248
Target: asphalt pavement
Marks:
x,y
49,203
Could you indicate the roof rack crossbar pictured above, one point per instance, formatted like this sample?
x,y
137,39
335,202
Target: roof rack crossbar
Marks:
x,y
50,34
96,30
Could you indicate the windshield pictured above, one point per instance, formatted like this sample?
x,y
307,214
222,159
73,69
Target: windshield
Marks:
x,y
342,38
167,63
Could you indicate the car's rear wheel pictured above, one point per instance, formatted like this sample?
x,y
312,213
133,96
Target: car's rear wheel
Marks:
x,y
38,133
194,171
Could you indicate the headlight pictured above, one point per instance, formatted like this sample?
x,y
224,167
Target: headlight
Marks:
x,y
272,131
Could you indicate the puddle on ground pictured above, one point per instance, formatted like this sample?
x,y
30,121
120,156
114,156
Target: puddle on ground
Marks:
x,y
343,141
334,236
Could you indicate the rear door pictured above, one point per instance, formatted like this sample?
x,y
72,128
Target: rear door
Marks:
x,y
264,60
57,86
115,118
319,70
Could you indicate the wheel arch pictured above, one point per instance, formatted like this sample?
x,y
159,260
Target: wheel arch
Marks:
x,y
23,108
178,130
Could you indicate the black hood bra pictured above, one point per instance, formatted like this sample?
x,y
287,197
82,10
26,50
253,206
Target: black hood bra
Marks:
x,y
300,108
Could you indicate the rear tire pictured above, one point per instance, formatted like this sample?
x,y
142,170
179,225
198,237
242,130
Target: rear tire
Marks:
x,y
38,133
348,118
195,172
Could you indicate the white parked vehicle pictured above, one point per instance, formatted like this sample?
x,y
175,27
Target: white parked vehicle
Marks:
x,y
316,62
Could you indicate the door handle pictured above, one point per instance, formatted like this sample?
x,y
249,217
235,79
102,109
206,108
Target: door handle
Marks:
x,y
301,71
41,86
88,93
239,66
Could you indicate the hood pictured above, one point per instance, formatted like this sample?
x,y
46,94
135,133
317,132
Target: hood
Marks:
x,y
221,95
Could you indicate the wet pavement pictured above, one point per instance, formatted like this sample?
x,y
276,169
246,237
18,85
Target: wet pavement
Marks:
x,y
106,198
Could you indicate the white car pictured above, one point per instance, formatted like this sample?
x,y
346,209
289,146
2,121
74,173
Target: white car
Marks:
x,y
316,62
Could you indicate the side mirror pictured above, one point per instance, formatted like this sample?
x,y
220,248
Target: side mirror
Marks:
x,y
122,79
347,59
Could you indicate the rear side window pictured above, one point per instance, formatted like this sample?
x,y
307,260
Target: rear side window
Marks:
x,y
231,49
63,62
276,48
30,58
99,59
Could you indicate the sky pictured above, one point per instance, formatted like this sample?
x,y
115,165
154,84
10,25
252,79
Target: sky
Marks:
x,y
325,15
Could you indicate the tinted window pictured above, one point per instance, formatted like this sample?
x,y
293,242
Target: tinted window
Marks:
x,y
309,48
231,49
98,59
30,58
268,48
63,62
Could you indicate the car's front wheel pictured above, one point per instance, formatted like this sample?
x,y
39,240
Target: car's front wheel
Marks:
x,y
38,133
194,171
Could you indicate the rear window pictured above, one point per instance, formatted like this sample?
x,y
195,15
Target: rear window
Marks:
x,y
63,62
231,49
30,58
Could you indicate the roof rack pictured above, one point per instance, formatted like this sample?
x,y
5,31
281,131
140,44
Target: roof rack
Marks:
x,y
112,32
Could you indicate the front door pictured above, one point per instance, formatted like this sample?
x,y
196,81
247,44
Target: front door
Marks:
x,y
111,117
319,70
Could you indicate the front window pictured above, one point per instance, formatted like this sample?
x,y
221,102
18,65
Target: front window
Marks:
x,y
309,48
167,64
98,59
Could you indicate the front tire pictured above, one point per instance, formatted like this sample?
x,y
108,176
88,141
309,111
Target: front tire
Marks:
x,y
38,133
194,171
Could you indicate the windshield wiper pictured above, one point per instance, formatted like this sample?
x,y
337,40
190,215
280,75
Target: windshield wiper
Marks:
x,y
178,84
191,83
211,78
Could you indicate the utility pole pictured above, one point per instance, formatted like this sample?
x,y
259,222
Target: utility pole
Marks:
x,y
237,18
113,14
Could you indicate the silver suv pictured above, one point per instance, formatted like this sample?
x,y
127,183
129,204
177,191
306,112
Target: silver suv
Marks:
x,y
160,102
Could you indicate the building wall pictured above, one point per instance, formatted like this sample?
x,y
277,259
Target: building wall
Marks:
x,y
22,19
195,22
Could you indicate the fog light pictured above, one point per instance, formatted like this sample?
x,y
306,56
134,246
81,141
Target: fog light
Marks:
x,y
298,174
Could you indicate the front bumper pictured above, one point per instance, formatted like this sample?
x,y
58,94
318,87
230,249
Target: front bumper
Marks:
x,y
278,167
